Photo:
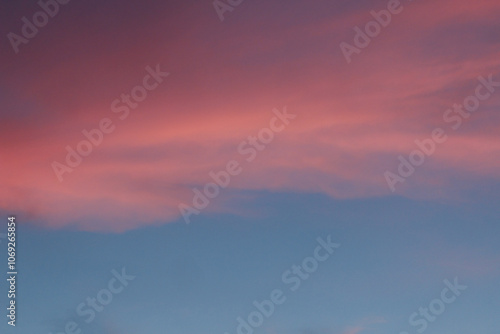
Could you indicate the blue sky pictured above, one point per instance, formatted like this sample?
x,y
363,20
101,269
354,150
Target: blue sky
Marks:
x,y
394,256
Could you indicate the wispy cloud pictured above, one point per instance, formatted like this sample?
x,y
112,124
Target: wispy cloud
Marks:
x,y
354,119
363,325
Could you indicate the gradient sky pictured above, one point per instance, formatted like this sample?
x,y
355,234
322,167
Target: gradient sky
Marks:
x,y
322,175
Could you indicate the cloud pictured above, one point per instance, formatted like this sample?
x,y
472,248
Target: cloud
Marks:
x,y
363,325
353,121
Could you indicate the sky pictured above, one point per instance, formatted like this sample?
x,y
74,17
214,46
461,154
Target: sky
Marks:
x,y
204,148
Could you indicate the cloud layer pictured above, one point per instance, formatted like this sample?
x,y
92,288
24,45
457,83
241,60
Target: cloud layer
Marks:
x,y
353,120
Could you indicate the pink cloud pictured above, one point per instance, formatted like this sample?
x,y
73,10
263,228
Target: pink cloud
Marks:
x,y
353,121
364,325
